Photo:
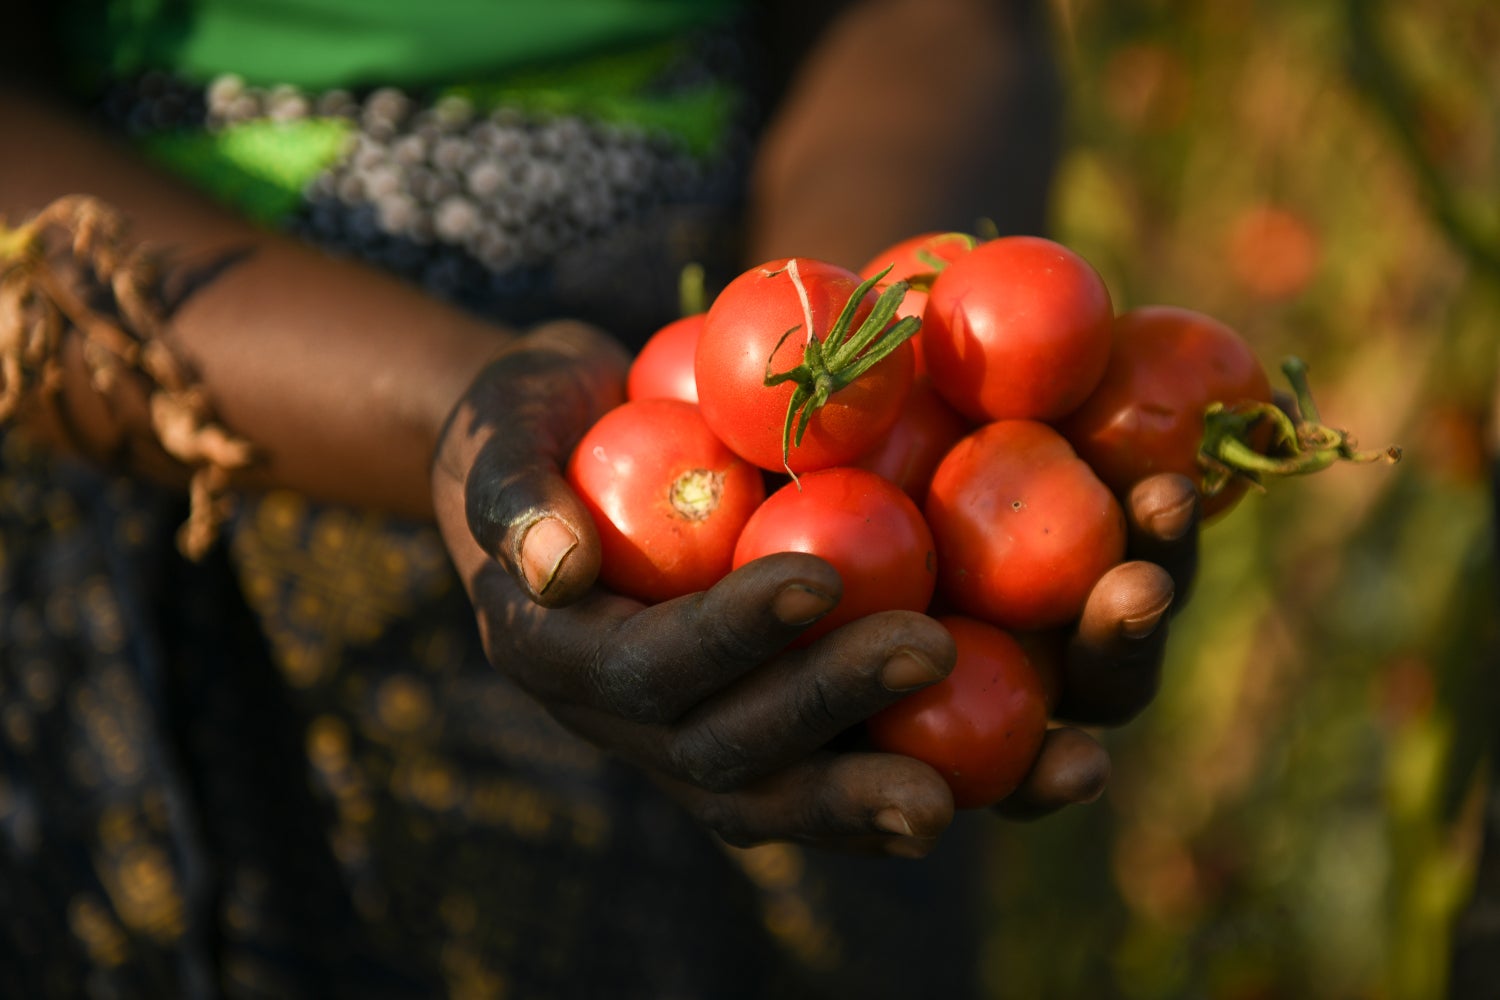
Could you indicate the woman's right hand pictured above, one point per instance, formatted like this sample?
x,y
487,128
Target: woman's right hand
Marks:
x,y
703,692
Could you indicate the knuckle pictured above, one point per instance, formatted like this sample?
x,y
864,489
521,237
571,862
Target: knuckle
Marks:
x,y
817,709
723,815
622,683
822,813
707,758
735,638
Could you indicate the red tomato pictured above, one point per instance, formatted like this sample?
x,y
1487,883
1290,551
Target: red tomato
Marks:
x,y
865,527
664,367
745,337
920,256
1017,328
916,257
981,727
922,435
1023,527
668,498
1146,415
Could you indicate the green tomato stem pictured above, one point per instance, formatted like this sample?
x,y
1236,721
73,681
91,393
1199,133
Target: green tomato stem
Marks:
x,y
1299,446
845,354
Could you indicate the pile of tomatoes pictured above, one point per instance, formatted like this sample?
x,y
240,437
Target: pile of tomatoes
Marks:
x,y
953,428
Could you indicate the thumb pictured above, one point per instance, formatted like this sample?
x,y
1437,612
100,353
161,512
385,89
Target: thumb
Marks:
x,y
505,447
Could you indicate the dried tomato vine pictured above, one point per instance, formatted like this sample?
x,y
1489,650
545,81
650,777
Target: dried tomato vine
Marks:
x,y
72,267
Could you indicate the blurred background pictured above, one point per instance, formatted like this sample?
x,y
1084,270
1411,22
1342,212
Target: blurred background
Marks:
x,y
1299,814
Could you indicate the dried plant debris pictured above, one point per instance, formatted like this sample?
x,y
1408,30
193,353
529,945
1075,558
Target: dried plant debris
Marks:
x,y
73,269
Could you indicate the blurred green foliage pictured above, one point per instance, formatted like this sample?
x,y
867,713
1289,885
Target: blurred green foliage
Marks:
x,y
1298,813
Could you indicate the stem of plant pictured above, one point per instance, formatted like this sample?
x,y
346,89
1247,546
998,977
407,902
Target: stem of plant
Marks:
x,y
1300,446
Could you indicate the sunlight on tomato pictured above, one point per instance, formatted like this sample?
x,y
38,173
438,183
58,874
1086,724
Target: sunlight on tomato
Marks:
x,y
664,367
669,499
1017,328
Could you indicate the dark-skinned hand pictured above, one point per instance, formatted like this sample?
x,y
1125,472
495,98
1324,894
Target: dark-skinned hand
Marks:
x,y
702,691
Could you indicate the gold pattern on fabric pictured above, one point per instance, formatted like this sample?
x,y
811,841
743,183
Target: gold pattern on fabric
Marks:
x,y
138,876
787,897
103,939
324,579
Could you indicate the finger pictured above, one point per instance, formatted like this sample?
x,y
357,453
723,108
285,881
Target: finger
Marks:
x,y
1112,662
508,443
614,657
1163,514
864,803
795,704
1071,768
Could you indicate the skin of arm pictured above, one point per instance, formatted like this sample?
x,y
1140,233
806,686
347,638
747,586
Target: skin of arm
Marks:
x,y
903,116
287,338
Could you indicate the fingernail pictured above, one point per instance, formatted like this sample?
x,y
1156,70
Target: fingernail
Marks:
x,y
892,820
1171,523
1142,625
544,548
797,604
908,669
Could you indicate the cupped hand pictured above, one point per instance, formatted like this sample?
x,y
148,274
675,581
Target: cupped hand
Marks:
x,y
1110,662
703,691
700,691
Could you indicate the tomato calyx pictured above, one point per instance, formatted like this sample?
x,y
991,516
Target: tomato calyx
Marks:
x,y
922,281
841,357
1301,445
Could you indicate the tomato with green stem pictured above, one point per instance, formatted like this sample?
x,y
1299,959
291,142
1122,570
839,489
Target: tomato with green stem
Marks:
x,y
1167,365
800,365
917,260
1185,393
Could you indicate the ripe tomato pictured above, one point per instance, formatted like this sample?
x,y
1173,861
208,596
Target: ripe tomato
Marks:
x,y
1166,366
921,436
864,526
668,498
1017,328
981,727
758,325
920,257
1023,527
664,367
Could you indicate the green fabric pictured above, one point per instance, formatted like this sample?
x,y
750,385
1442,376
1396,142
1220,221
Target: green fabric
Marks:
x,y
613,87
587,57
261,167
319,44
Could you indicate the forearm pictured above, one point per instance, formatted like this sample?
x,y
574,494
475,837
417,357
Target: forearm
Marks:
x,y
907,116
338,376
